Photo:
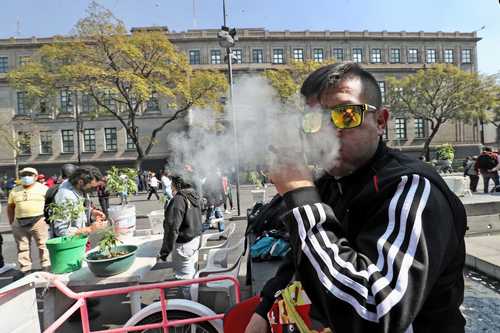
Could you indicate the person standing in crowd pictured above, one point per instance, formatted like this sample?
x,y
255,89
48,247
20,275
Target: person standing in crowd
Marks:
x,y
76,189
153,186
488,163
378,241
123,194
103,195
214,193
167,186
228,195
471,172
25,212
182,227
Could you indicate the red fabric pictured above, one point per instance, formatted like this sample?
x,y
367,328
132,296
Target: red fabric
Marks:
x,y
238,317
50,182
280,327
225,184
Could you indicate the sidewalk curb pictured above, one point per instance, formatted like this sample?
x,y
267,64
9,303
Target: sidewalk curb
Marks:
x,y
482,266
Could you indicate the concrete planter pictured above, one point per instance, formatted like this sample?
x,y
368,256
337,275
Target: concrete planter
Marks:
x,y
258,195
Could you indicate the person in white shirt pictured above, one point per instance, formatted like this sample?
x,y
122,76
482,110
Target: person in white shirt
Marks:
x,y
167,186
153,186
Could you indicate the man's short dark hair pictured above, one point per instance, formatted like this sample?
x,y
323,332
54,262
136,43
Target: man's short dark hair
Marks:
x,y
329,76
67,170
181,181
87,173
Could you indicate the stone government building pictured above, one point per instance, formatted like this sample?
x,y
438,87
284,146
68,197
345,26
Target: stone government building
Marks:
x,y
104,142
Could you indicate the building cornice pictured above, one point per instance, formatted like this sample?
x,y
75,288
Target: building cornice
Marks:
x,y
257,34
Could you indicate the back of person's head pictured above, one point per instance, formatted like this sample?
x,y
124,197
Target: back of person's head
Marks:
x,y
487,149
331,75
181,182
67,170
87,173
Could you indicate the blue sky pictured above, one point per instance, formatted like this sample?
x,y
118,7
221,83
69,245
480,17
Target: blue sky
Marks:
x,y
50,17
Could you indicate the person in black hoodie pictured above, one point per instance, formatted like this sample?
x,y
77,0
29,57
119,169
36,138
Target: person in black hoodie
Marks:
x,y
182,227
378,241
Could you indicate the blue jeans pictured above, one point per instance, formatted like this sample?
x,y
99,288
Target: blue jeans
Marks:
x,y
215,213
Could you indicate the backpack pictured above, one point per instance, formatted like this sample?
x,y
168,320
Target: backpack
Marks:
x,y
264,217
49,198
487,161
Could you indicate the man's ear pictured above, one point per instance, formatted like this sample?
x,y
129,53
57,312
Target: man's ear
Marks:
x,y
382,119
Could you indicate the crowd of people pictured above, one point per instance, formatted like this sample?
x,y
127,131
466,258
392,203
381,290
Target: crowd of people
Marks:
x,y
485,165
29,199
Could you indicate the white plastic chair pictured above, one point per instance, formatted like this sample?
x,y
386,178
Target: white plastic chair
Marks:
x,y
156,218
228,232
217,264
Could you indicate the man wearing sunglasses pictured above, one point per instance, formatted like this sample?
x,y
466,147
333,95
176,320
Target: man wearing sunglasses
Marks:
x,y
378,240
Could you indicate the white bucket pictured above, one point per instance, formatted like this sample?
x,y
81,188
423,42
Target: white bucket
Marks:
x,y
123,219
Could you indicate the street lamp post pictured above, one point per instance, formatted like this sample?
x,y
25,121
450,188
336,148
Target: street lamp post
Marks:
x,y
227,38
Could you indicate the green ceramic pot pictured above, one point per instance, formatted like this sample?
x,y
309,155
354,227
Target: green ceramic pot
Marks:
x,y
112,266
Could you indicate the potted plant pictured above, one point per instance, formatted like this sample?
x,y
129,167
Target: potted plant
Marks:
x,y
259,194
445,155
67,252
111,257
123,182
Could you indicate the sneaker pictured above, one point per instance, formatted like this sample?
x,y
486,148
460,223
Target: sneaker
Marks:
x,y
227,212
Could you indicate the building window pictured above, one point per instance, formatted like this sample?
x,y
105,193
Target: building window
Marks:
x,y
43,107
22,103
419,128
194,57
298,54
395,56
89,140
412,56
257,56
466,56
109,101
66,99
400,129
381,85
88,103
24,141
357,55
338,54
448,56
318,55
45,142
153,103
24,60
4,64
376,56
238,56
68,141
130,143
110,139
278,56
431,56
215,57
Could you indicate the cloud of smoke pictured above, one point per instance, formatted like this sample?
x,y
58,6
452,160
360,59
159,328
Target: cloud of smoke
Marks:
x,y
262,121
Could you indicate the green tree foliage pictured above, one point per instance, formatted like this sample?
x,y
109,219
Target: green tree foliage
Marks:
x,y
286,80
117,184
120,73
438,94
